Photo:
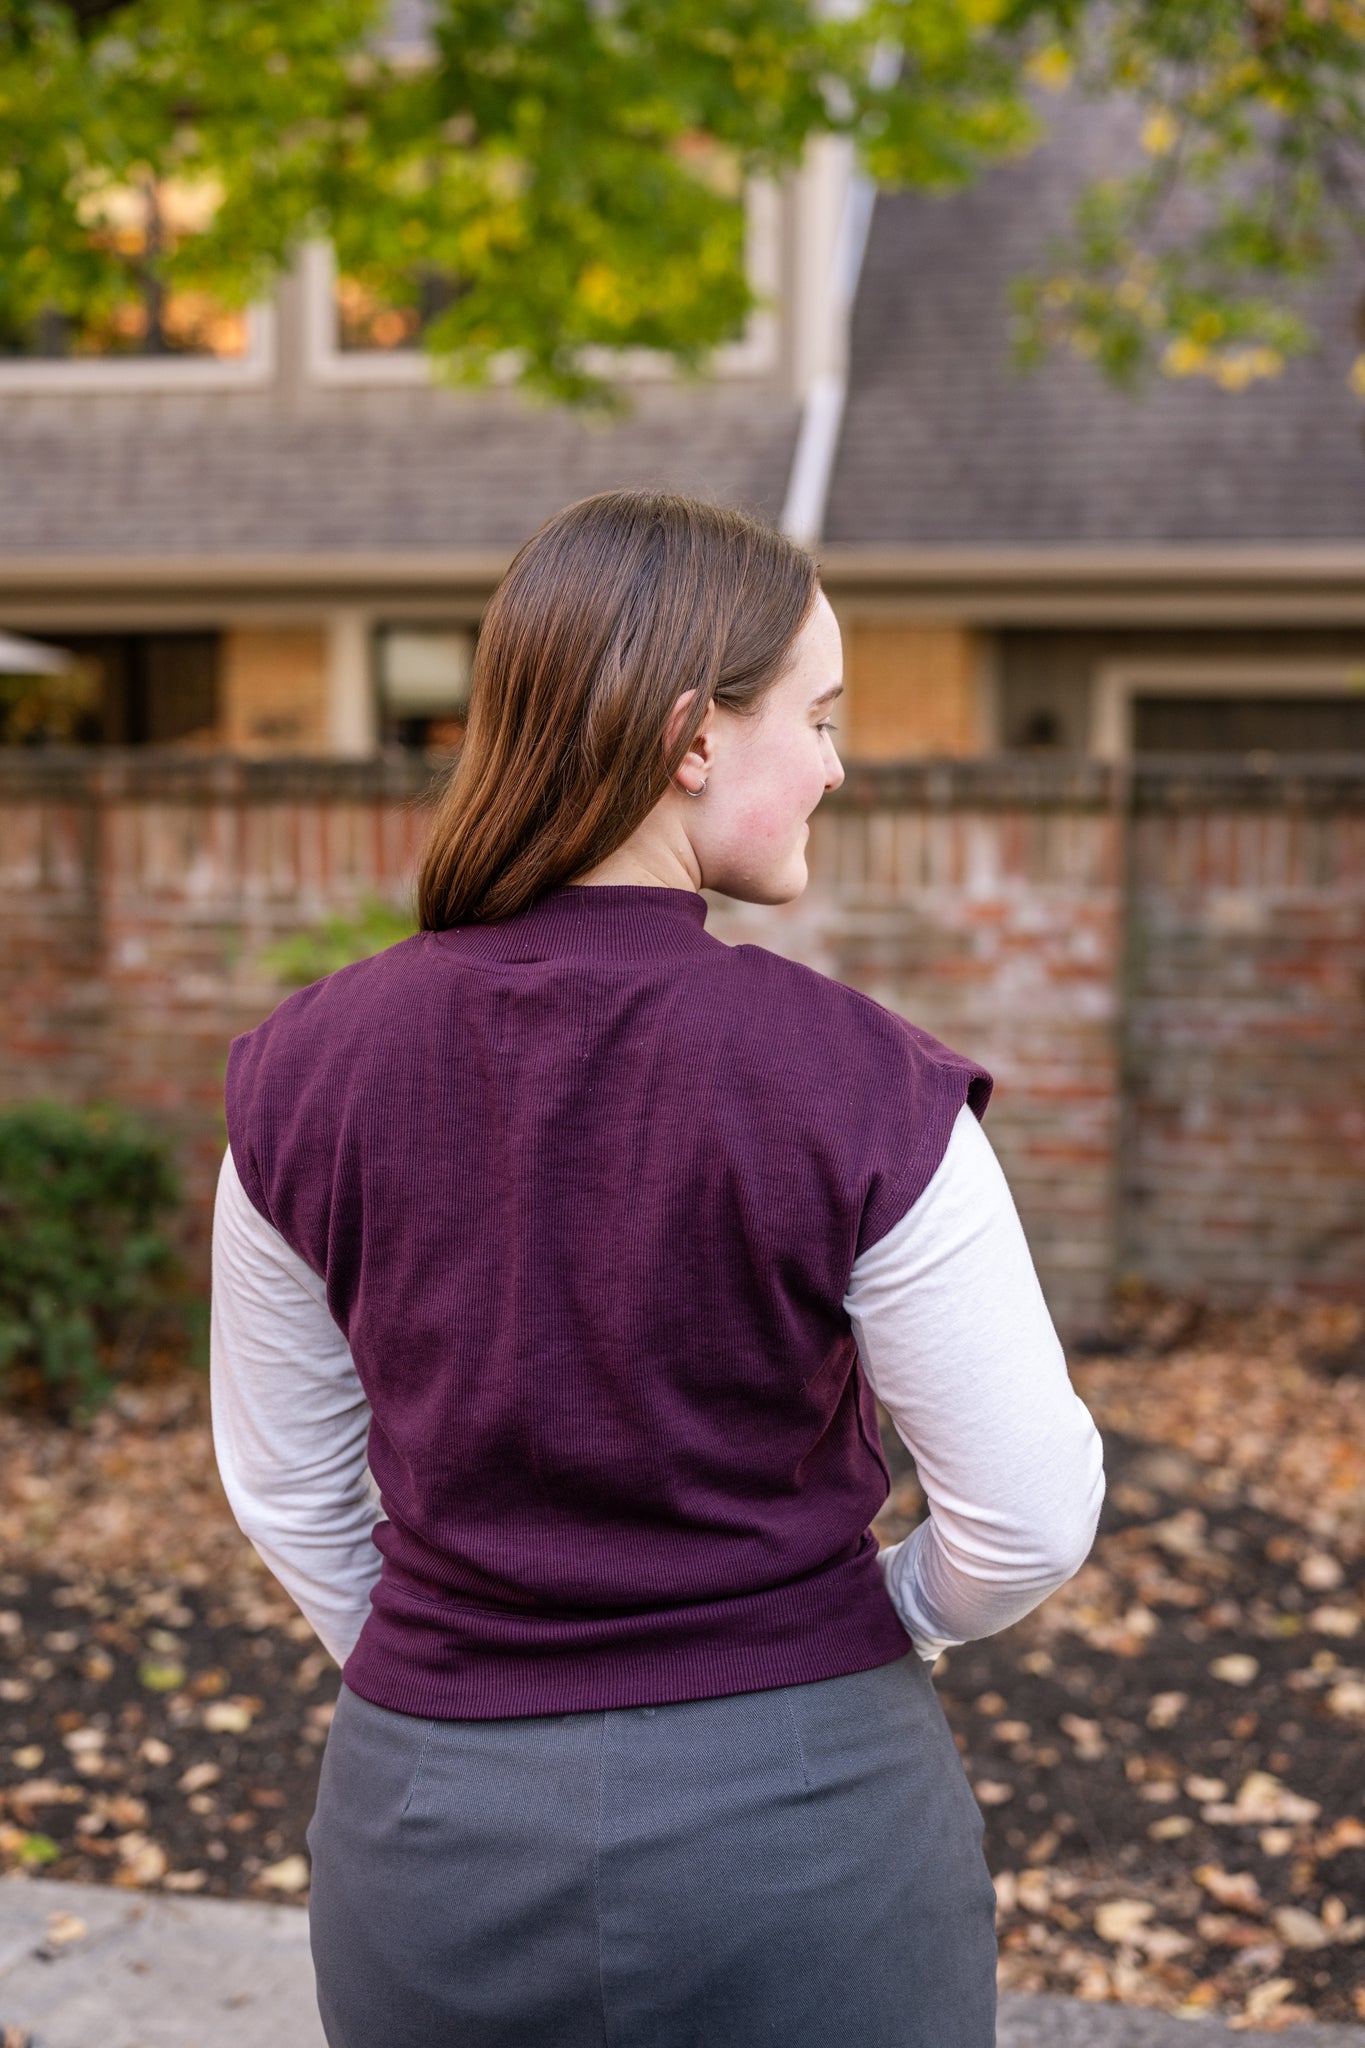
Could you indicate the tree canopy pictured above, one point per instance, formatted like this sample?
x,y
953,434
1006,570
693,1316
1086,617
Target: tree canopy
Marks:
x,y
537,178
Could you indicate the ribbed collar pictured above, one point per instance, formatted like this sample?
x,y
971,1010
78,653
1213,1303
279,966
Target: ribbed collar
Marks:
x,y
601,921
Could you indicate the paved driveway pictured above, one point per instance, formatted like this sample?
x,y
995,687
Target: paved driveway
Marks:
x,y
154,1971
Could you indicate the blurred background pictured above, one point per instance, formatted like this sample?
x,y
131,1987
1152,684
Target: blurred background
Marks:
x,y
1043,332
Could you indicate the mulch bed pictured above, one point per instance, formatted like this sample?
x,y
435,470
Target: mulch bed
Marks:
x,y
1170,1754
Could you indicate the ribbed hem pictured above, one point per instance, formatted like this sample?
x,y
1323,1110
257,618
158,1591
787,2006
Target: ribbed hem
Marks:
x,y
606,921
456,1661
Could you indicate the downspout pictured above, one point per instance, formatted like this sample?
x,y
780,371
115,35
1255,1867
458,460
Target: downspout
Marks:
x,y
822,413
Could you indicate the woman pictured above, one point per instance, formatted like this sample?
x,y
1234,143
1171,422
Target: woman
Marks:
x,y
596,1237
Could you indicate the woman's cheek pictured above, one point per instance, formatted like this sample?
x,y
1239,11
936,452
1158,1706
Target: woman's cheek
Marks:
x,y
769,819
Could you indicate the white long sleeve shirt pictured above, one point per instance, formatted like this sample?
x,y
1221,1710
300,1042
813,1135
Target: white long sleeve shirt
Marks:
x,y
952,1333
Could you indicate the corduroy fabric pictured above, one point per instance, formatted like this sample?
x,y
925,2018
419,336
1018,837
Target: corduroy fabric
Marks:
x,y
586,1187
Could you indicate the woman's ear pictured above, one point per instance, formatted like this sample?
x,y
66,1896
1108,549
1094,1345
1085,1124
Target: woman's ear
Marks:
x,y
676,720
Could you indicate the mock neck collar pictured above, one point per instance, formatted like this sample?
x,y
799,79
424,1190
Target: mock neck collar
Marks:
x,y
601,920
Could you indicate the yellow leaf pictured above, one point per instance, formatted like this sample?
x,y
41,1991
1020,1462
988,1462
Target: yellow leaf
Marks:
x,y
1160,132
1051,68
159,1674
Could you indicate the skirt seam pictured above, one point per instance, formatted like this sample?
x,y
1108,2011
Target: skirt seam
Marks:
x,y
417,1768
597,1880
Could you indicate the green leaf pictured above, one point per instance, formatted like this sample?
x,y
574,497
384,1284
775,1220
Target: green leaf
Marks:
x,y
35,1850
159,1674
337,942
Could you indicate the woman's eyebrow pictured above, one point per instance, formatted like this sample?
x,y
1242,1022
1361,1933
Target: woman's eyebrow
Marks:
x,y
827,696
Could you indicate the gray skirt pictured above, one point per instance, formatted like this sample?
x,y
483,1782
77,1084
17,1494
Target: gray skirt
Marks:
x,y
796,1867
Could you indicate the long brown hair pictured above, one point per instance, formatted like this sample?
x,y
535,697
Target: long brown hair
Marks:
x,y
619,604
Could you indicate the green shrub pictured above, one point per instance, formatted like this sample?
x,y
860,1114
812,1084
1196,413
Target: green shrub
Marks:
x,y
337,942
83,1267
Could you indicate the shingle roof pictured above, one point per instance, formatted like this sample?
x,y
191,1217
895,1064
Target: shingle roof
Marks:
x,y
944,443
364,471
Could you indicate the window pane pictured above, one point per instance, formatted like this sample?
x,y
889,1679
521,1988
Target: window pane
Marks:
x,y
1243,725
424,679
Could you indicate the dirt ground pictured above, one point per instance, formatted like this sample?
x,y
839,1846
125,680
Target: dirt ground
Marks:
x,y
1170,1754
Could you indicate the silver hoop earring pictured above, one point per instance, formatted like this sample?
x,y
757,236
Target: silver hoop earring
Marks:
x,y
691,792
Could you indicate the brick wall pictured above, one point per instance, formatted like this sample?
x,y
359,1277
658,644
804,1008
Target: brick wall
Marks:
x,y
983,901
1244,1144
1166,977
136,896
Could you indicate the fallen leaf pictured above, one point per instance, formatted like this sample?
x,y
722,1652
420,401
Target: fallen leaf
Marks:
x,y
1334,1621
143,1860
34,1849
1094,1985
1086,1735
63,1928
1267,1999
1225,1930
991,1792
1298,1928
1347,1833
290,1874
1230,1887
1161,1943
1117,1920
123,1809
1183,1534
160,1674
44,1792
1262,1798
197,1777
227,1717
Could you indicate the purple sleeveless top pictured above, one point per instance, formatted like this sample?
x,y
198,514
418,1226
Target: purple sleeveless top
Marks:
x,y
586,1187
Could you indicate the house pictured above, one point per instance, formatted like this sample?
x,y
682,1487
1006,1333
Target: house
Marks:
x,y
280,541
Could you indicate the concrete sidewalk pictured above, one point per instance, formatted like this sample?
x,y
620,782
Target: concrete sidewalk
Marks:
x,y
155,1971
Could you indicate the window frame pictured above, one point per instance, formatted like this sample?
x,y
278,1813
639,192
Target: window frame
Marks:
x,y
1117,684
756,354
84,374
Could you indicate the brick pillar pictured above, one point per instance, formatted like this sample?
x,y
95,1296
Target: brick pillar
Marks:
x,y
1244,1166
